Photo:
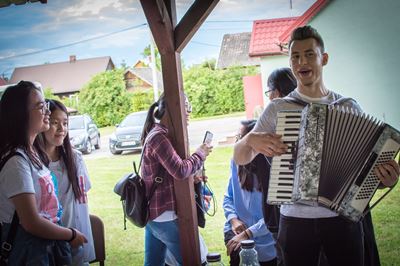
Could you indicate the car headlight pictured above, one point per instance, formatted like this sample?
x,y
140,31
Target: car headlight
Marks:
x,y
77,139
113,137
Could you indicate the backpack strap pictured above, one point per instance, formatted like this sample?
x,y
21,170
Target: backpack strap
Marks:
x,y
151,134
7,245
158,179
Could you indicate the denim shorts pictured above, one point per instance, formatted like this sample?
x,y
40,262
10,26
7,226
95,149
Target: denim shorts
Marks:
x,y
31,250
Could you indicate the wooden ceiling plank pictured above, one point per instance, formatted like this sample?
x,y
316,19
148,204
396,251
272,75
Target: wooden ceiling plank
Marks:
x,y
191,22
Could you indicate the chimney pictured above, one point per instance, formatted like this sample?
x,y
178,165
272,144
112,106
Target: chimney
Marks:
x,y
72,58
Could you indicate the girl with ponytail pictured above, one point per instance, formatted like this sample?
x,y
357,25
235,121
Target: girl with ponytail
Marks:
x,y
161,160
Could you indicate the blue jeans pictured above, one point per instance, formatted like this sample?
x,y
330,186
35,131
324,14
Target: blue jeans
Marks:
x,y
158,237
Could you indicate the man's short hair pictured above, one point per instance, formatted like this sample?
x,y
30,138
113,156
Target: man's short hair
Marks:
x,y
306,32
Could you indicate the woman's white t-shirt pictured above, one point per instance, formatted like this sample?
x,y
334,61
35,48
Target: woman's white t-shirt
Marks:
x,y
20,176
75,212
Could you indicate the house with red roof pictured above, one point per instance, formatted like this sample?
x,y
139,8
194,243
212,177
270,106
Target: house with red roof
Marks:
x,y
3,82
362,40
269,40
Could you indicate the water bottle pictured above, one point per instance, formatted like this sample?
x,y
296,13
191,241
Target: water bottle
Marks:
x,y
214,259
248,255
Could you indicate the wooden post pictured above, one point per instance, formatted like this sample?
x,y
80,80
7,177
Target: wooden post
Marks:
x,y
170,40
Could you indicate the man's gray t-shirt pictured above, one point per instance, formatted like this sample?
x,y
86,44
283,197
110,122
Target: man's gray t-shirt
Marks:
x,y
267,123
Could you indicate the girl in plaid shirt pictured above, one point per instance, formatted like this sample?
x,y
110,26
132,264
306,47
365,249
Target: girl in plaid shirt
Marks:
x,y
161,159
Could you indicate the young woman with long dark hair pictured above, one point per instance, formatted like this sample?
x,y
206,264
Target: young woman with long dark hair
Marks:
x,y
67,166
26,186
243,210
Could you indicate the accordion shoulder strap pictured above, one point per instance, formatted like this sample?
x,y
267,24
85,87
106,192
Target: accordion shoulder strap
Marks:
x,y
368,209
343,100
289,99
298,101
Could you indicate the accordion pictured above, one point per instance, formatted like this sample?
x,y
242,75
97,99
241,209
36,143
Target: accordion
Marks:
x,y
331,158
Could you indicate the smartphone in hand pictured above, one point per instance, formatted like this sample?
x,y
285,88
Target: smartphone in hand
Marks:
x,y
208,138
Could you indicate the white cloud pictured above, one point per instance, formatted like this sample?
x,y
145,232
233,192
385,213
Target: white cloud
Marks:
x,y
89,8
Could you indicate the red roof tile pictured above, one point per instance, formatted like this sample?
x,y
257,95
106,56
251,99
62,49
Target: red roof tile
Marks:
x,y
265,35
3,82
303,20
270,35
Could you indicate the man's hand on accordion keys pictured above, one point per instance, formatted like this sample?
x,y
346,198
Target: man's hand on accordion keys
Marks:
x,y
388,173
268,144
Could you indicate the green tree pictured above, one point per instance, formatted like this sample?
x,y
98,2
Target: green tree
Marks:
x,y
215,91
105,98
146,54
141,100
48,94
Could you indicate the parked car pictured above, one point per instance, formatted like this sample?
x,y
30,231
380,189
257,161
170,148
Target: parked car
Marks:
x,y
127,135
84,133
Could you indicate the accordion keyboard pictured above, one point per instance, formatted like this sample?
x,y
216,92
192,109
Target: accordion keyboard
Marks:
x,y
282,167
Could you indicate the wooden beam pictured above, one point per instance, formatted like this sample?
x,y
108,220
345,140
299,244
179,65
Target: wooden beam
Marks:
x,y
191,22
160,25
184,189
161,16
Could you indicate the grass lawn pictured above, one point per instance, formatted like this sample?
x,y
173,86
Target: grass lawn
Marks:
x,y
104,131
127,247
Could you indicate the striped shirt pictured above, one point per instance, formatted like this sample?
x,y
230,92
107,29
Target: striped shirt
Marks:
x,y
159,154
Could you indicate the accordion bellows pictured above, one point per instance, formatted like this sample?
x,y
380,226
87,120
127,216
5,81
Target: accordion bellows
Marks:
x,y
332,155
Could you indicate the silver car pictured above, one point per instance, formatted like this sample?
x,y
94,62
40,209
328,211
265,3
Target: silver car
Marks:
x,y
127,135
83,133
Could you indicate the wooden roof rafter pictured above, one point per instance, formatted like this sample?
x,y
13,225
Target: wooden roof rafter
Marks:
x,y
170,39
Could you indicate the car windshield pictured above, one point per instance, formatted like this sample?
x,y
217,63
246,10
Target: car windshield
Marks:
x,y
134,120
76,122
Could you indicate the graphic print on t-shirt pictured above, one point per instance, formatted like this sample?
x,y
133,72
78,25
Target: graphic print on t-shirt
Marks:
x,y
49,206
82,186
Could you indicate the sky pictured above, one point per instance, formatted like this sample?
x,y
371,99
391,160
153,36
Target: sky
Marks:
x,y
35,33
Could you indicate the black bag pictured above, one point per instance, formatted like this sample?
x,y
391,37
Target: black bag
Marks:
x,y
6,246
132,190
271,212
201,219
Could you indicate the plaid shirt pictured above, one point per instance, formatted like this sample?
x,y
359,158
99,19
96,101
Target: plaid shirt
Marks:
x,y
159,154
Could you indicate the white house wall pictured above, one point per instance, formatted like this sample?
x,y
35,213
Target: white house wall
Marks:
x,y
269,64
362,38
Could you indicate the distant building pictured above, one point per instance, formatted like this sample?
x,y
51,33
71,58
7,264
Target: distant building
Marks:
x,y
140,77
64,78
3,82
235,51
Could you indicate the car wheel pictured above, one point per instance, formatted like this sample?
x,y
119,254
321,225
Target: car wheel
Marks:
x,y
88,148
97,145
114,151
